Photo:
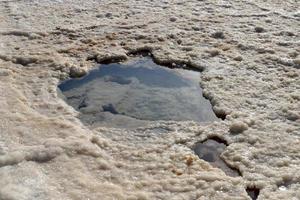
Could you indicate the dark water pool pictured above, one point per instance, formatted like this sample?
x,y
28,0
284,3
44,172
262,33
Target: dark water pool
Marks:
x,y
210,151
133,93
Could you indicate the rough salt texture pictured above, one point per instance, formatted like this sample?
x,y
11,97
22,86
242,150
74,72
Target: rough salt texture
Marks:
x,y
249,51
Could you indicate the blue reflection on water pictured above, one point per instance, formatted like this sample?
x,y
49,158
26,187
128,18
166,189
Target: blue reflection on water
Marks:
x,y
152,75
134,93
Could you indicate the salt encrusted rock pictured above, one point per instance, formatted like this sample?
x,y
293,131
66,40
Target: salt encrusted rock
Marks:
x,y
238,58
76,72
220,112
24,60
238,127
218,35
196,28
43,155
259,29
173,19
108,15
293,116
213,52
107,58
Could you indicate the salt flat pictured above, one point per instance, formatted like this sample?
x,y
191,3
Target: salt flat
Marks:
x,y
248,52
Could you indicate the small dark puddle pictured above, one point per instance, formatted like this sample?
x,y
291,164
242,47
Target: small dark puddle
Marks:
x,y
253,193
210,151
133,93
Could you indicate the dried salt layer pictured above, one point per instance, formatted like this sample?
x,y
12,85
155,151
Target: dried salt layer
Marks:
x,y
131,94
248,52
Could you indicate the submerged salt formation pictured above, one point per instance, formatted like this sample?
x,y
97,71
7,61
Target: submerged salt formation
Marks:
x,y
136,93
249,54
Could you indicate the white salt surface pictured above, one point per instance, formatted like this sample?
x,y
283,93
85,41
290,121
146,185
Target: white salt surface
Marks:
x,y
249,51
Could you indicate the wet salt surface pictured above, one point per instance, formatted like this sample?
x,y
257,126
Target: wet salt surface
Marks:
x,y
131,94
210,151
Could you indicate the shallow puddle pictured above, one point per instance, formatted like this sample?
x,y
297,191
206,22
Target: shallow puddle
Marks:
x,y
133,93
210,151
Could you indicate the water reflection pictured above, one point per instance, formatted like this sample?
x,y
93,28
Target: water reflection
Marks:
x,y
210,151
144,70
133,93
